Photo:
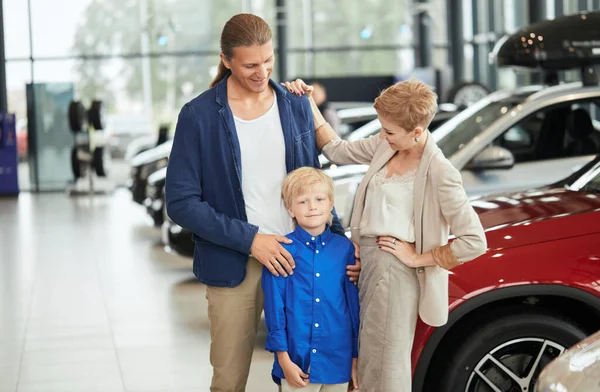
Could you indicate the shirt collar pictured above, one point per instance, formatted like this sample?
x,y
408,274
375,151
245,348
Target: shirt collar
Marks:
x,y
309,239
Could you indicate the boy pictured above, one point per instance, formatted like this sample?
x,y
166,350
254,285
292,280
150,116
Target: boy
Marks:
x,y
312,315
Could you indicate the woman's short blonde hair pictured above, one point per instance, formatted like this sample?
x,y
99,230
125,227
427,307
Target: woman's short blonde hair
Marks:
x,y
303,180
409,104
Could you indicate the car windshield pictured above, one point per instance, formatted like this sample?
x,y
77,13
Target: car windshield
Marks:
x,y
587,179
457,132
593,185
593,179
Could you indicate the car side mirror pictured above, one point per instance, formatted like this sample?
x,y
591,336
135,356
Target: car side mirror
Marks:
x,y
492,157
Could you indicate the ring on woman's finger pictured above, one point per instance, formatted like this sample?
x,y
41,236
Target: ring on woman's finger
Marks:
x,y
394,241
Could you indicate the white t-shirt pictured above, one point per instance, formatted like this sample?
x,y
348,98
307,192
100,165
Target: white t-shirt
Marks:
x,y
263,170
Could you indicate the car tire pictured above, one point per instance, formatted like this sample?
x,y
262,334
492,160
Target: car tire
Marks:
x,y
514,339
464,94
77,116
96,115
101,161
158,218
75,164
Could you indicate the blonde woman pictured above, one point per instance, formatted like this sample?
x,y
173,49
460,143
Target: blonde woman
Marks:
x,y
407,204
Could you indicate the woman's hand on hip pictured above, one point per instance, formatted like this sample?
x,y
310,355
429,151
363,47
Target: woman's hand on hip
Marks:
x,y
298,87
404,251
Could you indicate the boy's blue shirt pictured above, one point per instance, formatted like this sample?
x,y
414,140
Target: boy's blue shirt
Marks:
x,y
313,314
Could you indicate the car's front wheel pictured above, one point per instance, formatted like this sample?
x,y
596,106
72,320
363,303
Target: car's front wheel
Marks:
x,y
506,354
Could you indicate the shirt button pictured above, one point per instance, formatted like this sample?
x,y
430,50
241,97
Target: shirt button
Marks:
x,y
308,243
317,300
313,238
316,251
322,243
318,274
316,325
314,351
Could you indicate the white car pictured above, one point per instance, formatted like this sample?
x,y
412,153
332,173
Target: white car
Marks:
x,y
509,141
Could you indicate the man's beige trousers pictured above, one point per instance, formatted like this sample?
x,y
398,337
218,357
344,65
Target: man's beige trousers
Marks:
x,y
234,315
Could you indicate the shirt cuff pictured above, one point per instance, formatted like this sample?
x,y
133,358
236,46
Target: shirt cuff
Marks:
x,y
276,341
444,257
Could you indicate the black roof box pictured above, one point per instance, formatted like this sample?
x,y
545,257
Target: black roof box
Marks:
x,y
567,42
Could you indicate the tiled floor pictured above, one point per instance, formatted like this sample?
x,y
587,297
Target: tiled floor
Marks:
x,y
89,301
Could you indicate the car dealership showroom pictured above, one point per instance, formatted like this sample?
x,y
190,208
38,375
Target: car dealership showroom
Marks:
x,y
134,258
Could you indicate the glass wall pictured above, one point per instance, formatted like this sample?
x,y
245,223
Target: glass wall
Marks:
x,y
146,58
143,58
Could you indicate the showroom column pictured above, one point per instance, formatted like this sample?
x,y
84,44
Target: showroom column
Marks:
x,y
281,39
3,94
559,8
457,44
495,19
479,15
423,24
537,11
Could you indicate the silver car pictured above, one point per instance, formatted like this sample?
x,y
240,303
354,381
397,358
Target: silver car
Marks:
x,y
576,370
508,141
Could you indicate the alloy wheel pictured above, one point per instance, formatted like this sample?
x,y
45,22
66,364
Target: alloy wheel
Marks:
x,y
513,366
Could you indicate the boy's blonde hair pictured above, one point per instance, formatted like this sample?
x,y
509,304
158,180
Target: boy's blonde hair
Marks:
x,y
302,180
409,104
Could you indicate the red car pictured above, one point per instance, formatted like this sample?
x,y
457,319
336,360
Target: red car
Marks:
x,y
533,294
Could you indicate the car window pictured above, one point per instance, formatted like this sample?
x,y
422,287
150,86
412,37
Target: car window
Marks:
x,y
521,139
473,125
517,137
582,135
563,130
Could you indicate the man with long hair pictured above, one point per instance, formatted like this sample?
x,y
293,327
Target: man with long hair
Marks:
x,y
233,146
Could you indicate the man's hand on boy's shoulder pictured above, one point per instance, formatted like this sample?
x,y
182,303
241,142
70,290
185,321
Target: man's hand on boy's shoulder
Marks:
x,y
267,249
353,271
